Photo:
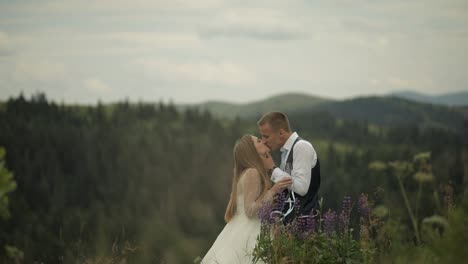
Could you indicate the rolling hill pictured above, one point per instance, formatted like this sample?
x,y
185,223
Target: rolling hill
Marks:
x,y
393,111
451,99
290,102
384,110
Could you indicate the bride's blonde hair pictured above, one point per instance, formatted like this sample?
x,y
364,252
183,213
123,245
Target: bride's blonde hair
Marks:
x,y
245,157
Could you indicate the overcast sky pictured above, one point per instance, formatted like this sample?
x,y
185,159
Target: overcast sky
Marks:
x,y
192,51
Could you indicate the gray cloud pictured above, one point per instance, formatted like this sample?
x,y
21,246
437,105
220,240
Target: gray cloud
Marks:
x,y
254,23
6,45
261,34
230,50
255,31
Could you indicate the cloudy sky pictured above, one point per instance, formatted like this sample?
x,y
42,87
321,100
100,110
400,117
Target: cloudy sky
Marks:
x,y
190,51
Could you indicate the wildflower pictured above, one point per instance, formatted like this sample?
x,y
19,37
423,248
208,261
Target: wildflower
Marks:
x,y
310,224
297,207
329,219
305,224
363,206
423,177
345,213
265,214
280,200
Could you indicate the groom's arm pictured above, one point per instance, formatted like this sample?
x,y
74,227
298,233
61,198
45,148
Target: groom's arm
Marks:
x,y
305,158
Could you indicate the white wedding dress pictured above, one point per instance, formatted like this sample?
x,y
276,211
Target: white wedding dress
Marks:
x,y
236,242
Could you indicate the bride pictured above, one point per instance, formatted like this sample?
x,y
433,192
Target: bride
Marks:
x,y
251,188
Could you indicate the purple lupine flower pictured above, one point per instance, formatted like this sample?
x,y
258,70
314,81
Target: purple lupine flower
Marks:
x,y
280,200
310,224
329,219
363,206
305,224
345,213
276,208
265,214
299,226
297,207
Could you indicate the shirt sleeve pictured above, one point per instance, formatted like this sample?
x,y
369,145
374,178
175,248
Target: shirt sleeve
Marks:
x,y
305,158
252,190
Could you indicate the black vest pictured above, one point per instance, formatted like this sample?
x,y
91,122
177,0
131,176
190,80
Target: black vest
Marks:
x,y
309,201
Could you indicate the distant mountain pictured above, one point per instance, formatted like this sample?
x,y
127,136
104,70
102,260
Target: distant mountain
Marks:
x,y
452,99
384,111
290,102
393,111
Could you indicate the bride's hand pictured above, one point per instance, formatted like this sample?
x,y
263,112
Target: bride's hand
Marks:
x,y
282,184
268,162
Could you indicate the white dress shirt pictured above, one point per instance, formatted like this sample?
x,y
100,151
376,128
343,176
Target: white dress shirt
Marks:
x,y
305,158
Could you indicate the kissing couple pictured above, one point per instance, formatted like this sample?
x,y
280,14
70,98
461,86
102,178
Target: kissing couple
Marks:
x,y
257,180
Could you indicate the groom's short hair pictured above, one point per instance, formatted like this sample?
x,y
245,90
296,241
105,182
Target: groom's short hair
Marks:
x,y
277,120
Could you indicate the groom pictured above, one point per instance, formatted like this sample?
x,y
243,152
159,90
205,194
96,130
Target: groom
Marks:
x,y
298,160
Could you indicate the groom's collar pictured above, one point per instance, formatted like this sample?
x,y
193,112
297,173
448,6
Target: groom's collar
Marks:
x,y
287,146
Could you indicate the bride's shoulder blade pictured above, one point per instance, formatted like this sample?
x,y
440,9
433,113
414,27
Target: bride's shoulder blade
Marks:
x,y
250,172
